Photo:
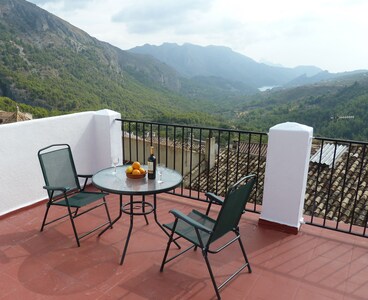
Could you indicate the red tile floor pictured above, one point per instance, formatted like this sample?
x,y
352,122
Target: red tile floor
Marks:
x,y
315,264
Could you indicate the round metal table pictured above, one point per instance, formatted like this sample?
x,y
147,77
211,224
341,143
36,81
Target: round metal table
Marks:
x,y
118,183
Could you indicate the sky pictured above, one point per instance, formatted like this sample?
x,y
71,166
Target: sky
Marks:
x,y
329,34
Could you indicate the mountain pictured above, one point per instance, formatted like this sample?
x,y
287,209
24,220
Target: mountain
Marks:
x,y
217,61
46,62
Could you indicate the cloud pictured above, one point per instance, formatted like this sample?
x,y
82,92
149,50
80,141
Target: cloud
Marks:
x,y
63,5
148,16
41,2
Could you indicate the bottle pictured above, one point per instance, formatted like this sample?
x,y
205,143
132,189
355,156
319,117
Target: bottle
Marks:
x,y
151,165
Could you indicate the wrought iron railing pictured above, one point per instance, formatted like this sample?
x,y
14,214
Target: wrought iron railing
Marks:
x,y
337,186
210,159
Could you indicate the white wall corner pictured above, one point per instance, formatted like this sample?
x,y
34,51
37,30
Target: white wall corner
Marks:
x,y
108,138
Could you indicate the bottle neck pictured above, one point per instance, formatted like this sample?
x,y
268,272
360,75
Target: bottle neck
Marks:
x,y
152,152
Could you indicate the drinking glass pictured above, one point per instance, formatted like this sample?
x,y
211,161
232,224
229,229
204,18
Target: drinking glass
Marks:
x,y
160,168
115,162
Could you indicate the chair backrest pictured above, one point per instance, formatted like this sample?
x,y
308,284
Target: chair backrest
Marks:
x,y
232,209
58,167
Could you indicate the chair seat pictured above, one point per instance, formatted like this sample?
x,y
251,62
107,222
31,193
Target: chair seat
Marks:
x,y
81,199
188,232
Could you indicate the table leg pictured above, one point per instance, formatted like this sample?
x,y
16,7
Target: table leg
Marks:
x,y
144,208
118,217
127,240
158,223
129,232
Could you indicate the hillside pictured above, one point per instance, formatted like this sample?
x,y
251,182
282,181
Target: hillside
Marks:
x,y
336,108
46,62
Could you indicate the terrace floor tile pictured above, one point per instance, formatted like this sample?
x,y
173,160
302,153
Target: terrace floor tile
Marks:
x,y
314,264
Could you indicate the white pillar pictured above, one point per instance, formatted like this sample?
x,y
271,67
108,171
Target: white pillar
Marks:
x,y
288,153
108,138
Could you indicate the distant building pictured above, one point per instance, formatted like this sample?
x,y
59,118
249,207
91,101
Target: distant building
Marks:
x,y
11,117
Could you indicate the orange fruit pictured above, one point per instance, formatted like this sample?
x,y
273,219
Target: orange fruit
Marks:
x,y
142,171
129,170
136,165
136,172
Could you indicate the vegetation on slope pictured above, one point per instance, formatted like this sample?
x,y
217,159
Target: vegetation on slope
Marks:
x,y
46,62
335,109
9,105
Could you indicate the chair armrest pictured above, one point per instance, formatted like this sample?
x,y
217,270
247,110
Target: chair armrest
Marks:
x,y
85,176
56,188
215,198
179,215
245,178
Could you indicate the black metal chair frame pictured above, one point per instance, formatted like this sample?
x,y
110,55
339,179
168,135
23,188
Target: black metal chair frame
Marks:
x,y
206,230
73,197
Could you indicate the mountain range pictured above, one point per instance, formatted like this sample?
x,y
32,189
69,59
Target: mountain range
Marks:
x,y
47,62
193,60
56,68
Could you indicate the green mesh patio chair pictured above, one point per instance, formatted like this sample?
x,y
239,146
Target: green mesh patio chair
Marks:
x,y
64,190
202,231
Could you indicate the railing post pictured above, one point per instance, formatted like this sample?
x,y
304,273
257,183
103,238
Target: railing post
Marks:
x,y
288,154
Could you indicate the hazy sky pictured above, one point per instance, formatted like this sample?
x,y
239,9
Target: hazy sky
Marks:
x,y
330,34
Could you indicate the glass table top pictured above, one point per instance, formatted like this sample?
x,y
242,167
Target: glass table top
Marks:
x,y
119,183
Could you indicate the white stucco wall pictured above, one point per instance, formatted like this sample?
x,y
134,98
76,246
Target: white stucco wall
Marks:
x,y
93,136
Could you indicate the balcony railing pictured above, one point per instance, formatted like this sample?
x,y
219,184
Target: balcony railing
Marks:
x,y
210,159
337,187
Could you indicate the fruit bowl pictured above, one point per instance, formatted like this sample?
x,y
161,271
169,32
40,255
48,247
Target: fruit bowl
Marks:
x,y
132,170
136,176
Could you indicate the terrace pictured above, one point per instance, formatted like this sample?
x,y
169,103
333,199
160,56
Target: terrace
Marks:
x,y
314,263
